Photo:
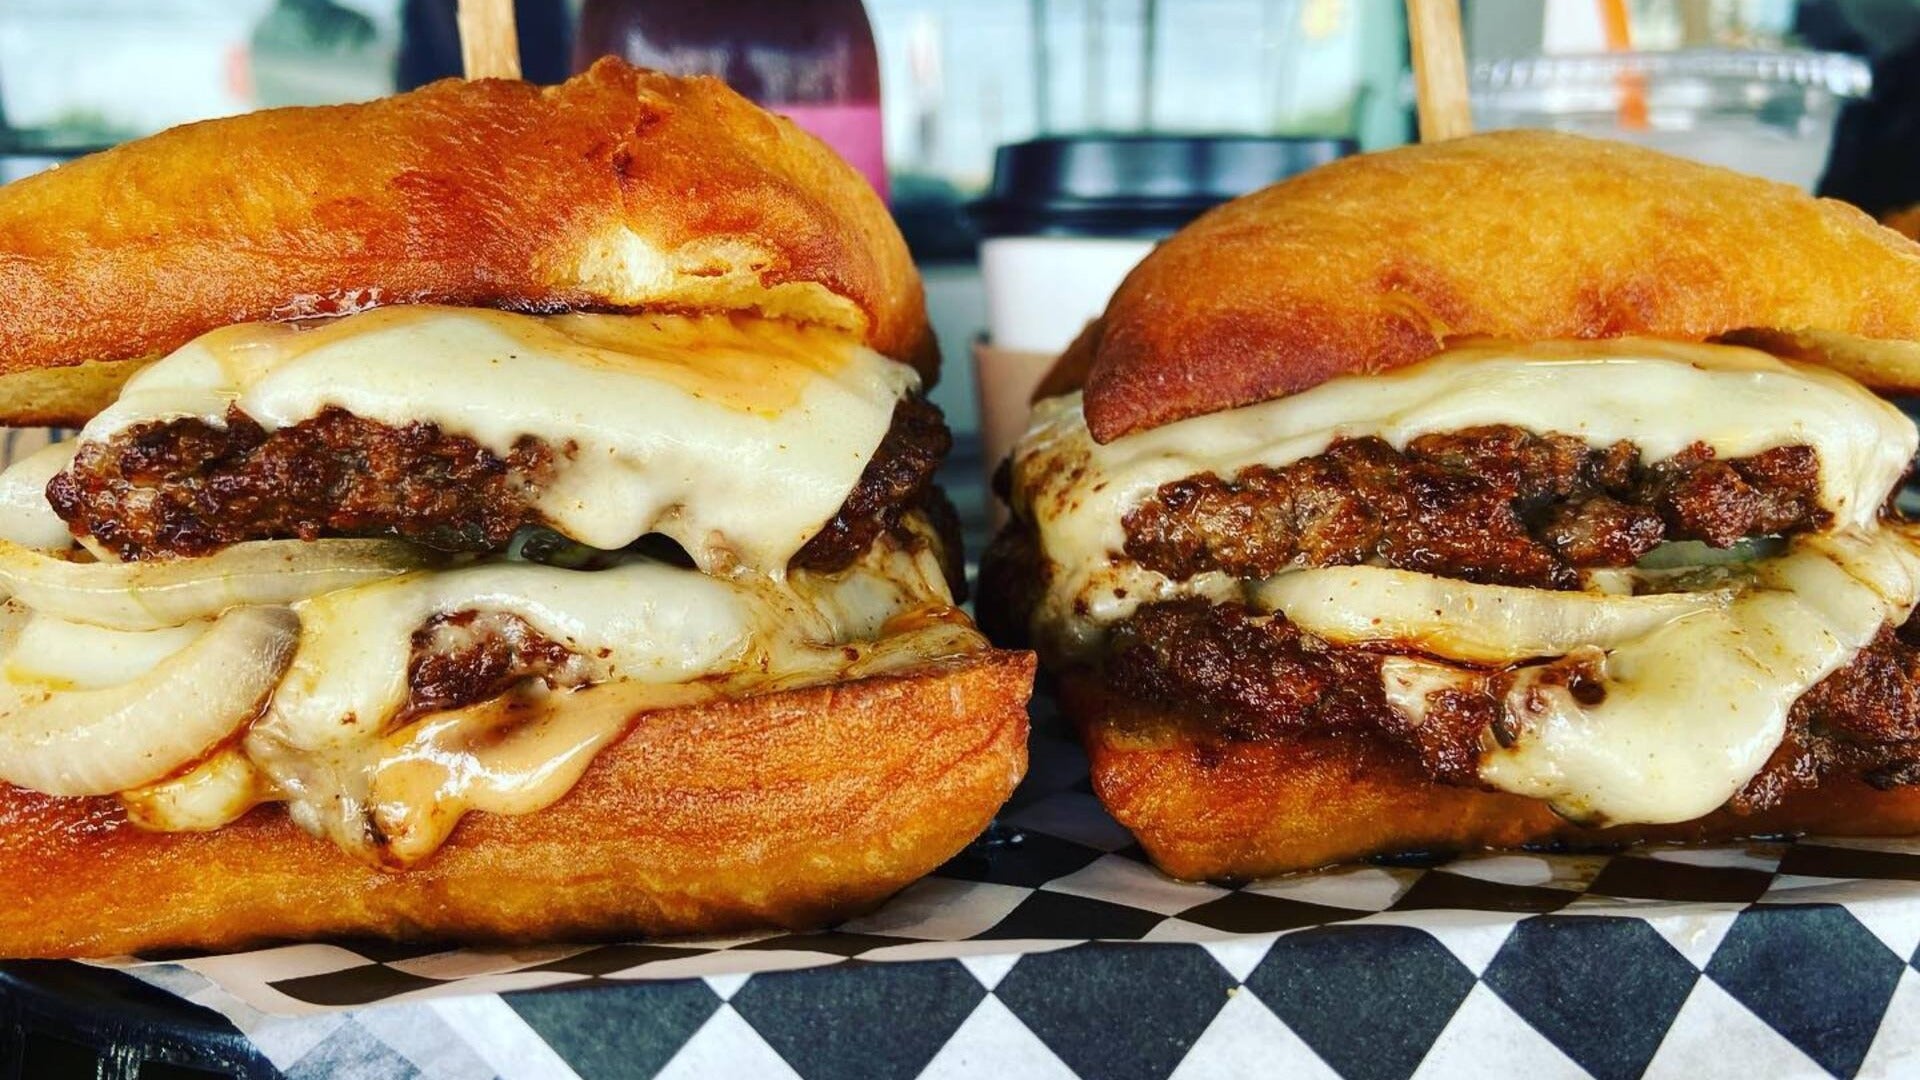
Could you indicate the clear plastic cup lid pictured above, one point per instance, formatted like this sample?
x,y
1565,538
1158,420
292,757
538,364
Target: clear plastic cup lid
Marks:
x,y
1840,74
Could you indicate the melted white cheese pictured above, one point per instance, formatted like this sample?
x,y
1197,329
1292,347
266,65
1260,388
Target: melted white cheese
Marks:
x,y
519,752
1695,706
513,754
737,437
1661,396
646,622
329,740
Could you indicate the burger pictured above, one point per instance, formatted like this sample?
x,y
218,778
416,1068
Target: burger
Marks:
x,y
497,513
1517,490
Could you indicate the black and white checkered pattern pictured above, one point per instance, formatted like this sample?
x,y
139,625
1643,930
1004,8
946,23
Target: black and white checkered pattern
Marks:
x,y
1017,960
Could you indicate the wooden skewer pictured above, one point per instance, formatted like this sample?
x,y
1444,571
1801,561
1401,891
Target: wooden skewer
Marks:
x,y
489,45
1439,69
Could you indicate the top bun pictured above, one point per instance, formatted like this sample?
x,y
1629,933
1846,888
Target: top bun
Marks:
x,y
621,189
1380,260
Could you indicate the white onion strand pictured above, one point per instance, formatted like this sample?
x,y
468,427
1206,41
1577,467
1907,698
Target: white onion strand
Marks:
x,y
1463,621
162,593
98,742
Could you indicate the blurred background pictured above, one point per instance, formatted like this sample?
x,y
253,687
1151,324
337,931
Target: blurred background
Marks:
x,y
1146,111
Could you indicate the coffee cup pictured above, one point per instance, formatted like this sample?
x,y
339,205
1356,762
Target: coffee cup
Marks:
x,y
1064,221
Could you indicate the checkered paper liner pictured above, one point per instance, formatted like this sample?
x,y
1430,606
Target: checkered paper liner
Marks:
x,y
1052,948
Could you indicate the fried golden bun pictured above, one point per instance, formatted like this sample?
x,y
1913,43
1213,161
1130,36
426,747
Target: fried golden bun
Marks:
x,y
1207,811
1379,260
789,809
620,189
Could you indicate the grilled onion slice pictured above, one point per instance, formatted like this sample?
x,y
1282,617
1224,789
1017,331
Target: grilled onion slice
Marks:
x,y
25,517
1463,621
98,742
163,593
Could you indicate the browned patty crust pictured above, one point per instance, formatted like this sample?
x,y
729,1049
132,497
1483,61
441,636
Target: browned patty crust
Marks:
x,y
467,657
1496,505
186,488
1242,675
897,479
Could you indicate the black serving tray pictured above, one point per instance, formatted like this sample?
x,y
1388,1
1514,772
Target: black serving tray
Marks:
x,y
61,1019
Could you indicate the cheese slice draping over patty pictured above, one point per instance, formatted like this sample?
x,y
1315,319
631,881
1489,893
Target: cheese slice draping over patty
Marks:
x,y
737,437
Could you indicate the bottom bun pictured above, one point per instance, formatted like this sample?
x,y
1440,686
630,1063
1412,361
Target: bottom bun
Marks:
x,y
788,809
1209,811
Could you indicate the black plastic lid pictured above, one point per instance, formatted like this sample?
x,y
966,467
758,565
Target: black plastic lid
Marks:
x,y
1134,185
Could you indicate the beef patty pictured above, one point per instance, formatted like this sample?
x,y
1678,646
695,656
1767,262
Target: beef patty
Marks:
x,y
1235,674
467,657
899,478
186,488
1496,505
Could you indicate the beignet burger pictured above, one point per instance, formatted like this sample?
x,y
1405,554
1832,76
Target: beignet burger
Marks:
x,y
1521,489
500,513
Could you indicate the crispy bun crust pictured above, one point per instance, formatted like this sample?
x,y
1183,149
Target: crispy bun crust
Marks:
x,y
790,809
1252,809
1378,261
621,189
